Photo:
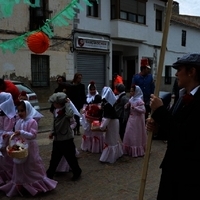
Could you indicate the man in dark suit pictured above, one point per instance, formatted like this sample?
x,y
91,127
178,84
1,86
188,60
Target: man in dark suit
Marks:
x,y
180,125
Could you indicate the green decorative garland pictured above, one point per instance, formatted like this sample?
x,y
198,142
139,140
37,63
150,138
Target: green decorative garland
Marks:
x,y
60,19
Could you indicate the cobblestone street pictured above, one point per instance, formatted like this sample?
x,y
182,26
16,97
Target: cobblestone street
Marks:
x,y
120,180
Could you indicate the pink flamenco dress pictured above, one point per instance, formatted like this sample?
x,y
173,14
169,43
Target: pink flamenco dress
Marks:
x,y
112,144
86,142
92,141
135,137
7,122
29,173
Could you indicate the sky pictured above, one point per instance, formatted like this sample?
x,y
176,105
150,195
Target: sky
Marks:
x,y
189,7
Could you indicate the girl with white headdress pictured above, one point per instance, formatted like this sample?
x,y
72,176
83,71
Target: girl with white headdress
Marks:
x,y
29,175
135,137
7,122
110,123
92,141
93,95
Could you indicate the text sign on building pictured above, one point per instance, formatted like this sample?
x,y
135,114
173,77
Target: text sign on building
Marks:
x,y
92,43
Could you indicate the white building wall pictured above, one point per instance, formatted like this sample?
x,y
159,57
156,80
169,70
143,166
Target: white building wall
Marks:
x,y
174,48
99,25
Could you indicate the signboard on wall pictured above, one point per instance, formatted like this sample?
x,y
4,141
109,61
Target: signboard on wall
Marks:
x,y
92,43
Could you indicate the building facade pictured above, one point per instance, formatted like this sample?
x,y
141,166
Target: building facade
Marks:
x,y
133,30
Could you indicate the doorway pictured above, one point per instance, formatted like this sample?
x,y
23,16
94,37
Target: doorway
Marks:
x,y
130,72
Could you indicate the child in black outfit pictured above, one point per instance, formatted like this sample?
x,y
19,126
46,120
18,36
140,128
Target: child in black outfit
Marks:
x,y
63,143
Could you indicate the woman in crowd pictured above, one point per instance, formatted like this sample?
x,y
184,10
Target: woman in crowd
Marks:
x,y
135,137
78,97
92,141
110,124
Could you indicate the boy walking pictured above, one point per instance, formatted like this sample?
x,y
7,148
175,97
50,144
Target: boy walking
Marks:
x,y
62,135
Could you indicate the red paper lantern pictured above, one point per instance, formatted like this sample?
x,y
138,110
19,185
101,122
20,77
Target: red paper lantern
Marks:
x,y
38,42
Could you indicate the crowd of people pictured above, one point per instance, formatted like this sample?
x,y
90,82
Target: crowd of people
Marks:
x,y
114,125
121,130
127,135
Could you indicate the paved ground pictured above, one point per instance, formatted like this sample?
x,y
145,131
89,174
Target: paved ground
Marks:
x,y
118,181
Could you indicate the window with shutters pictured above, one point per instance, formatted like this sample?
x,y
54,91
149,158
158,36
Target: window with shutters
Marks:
x,y
129,10
39,70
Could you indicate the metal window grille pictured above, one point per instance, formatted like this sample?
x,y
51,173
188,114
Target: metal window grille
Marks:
x,y
40,70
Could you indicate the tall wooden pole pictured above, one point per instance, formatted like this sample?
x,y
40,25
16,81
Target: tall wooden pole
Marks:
x,y
157,88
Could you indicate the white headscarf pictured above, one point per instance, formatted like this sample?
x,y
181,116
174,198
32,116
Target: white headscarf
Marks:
x,y
90,97
7,104
31,112
137,96
108,94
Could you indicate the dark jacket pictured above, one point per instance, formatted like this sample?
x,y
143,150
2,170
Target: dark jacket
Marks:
x,y
122,113
108,111
77,95
61,125
182,158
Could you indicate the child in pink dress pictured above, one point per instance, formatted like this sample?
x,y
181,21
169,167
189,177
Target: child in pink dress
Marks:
x,y
7,122
28,173
92,141
135,137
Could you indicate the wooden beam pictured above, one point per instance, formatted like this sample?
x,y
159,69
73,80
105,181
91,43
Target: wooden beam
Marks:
x,y
157,88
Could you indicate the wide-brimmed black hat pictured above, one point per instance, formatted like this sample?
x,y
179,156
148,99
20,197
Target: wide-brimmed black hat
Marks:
x,y
188,59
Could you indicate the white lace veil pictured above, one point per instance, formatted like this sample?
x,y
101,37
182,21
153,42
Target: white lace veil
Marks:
x,y
138,95
7,104
31,112
108,94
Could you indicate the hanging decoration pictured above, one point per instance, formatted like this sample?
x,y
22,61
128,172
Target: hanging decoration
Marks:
x,y
38,42
61,19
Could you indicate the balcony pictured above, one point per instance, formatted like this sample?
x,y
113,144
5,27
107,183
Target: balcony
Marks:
x,y
128,30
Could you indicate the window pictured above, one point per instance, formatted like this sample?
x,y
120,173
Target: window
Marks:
x,y
183,41
123,15
159,14
129,10
93,10
38,15
40,70
168,78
